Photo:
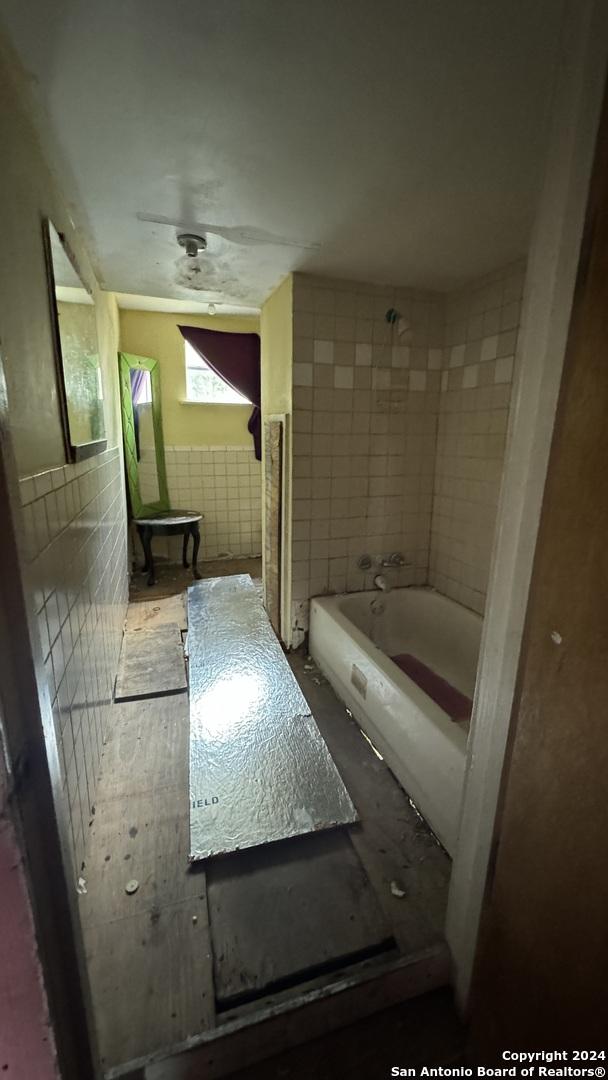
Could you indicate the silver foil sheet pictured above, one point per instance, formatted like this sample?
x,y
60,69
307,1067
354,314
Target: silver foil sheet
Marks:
x,y
259,769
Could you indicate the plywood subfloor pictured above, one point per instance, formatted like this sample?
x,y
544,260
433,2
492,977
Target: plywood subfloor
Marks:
x,y
396,847
150,952
151,663
316,887
148,614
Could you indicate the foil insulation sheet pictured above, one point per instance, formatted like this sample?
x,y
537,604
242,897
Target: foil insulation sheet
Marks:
x,y
260,770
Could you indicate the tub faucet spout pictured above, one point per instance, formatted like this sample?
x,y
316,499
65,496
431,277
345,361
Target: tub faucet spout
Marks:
x,y
381,583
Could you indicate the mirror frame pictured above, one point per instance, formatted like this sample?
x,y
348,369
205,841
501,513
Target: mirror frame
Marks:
x,y
74,451
126,363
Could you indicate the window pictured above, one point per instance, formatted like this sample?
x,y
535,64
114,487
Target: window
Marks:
x,y
202,384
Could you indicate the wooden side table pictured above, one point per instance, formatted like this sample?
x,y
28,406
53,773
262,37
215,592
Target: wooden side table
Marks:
x,y
170,523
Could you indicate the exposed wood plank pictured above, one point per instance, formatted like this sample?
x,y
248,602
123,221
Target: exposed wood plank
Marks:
x,y
216,1054
148,749
148,614
151,664
140,826
151,979
283,912
145,839
394,844
149,962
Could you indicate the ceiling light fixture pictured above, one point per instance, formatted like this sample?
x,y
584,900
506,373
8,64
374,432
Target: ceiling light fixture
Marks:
x,y
191,243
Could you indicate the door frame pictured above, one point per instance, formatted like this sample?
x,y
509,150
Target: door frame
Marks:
x,y
30,743
548,296
36,803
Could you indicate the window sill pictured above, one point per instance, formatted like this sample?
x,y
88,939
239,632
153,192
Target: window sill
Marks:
x,y
232,404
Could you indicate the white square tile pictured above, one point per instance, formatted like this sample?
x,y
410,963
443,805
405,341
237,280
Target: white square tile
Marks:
x,y
435,359
343,377
444,380
503,372
302,374
363,354
489,348
457,356
323,352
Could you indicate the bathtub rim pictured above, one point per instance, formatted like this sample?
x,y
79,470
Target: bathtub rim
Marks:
x,y
389,668
428,725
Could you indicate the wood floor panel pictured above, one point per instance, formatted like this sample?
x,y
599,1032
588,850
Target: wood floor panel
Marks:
x,y
147,749
151,979
285,911
150,956
148,614
394,844
141,839
151,663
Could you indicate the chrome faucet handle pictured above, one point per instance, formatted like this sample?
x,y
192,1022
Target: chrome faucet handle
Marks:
x,y
396,559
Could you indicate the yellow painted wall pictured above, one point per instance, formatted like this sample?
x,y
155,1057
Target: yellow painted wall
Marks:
x,y
276,332
156,334
28,193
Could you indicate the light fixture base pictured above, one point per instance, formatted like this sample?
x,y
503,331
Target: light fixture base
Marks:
x,y
191,243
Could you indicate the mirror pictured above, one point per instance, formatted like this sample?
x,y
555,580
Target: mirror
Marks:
x,y
143,434
76,351
143,429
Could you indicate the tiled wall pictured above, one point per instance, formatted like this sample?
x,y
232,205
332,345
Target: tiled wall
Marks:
x,y
399,434
75,549
224,484
482,322
365,406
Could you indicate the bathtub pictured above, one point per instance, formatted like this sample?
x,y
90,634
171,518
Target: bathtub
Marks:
x,y
352,638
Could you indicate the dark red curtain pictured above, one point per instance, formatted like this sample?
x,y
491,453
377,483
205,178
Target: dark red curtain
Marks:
x,y
236,359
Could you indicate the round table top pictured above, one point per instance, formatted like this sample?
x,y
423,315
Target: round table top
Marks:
x,y
170,517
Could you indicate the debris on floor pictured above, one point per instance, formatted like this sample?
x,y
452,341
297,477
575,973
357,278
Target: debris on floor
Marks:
x,y
314,672
132,886
397,891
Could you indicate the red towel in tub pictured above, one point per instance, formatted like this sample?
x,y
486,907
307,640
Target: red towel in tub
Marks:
x,y
458,706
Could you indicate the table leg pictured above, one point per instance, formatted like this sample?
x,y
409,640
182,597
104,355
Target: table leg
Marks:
x,y
196,536
185,547
140,533
147,542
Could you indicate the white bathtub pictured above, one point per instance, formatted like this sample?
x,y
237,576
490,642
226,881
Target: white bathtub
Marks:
x,y
421,744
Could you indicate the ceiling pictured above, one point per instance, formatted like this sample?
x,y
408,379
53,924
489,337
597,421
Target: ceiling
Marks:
x,y
405,137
